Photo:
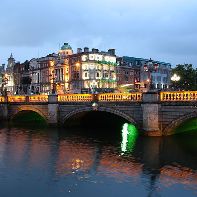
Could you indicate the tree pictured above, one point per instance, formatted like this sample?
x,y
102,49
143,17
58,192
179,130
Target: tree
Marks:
x,y
188,77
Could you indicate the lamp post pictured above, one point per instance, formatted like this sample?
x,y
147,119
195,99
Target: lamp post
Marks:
x,y
175,78
53,77
150,67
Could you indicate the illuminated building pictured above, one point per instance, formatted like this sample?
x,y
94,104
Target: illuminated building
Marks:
x,y
9,75
50,74
40,70
146,73
92,71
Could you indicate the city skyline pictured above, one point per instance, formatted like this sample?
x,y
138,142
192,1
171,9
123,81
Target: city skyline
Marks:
x,y
163,30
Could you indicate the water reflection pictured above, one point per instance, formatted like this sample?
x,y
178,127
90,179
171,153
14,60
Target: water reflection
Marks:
x,y
57,164
129,136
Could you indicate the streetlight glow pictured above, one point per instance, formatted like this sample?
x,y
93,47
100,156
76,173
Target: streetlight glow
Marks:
x,y
175,77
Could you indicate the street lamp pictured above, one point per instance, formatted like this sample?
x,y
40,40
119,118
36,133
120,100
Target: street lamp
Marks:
x,y
53,77
175,78
150,67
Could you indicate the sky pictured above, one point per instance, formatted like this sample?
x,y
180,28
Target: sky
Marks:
x,y
163,30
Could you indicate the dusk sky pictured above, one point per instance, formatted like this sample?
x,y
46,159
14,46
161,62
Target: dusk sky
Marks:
x,y
164,30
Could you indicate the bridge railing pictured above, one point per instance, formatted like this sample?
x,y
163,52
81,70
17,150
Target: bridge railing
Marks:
x,y
104,97
75,98
113,97
178,96
38,98
16,99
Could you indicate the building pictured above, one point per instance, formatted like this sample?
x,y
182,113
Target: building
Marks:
x,y
147,73
17,73
92,70
41,70
125,75
50,74
155,75
9,75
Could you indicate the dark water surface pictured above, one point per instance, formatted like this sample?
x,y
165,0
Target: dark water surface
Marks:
x,y
57,163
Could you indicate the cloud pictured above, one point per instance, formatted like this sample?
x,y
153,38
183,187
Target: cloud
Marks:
x,y
162,28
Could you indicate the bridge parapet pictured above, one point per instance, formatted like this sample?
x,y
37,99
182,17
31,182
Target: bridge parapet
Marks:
x,y
178,96
16,99
75,98
38,98
113,97
105,97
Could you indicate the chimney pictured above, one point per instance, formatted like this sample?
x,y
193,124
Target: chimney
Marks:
x,y
111,51
95,50
86,49
79,50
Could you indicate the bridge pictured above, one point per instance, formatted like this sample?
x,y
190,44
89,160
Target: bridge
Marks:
x,y
154,113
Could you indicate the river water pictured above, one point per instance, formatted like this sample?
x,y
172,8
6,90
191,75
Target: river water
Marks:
x,y
93,162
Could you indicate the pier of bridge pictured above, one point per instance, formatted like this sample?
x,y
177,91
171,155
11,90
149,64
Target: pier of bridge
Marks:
x,y
154,113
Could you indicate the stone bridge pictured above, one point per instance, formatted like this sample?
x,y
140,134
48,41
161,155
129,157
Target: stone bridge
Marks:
x,y
155,114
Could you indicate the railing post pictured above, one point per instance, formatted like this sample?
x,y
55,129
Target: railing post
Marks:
x,y
150,109
53,110
95,98
27,99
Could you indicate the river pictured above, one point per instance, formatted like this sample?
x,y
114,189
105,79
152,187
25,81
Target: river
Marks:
x,y
96,162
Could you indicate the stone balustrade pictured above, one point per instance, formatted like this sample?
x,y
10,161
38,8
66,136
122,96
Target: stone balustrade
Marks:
x,y
179,96
38,98
103,97
113,97
75,98
16,99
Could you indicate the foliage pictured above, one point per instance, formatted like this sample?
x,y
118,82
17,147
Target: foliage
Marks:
x,y
188,77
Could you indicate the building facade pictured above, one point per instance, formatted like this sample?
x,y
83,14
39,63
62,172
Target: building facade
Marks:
x,y
9,75
92,70
147,73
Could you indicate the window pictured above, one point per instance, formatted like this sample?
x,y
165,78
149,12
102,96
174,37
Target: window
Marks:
x,y
97,74
164,79
105,75
159,78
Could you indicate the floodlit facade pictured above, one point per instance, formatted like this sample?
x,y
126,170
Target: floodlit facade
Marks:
x,y
92,71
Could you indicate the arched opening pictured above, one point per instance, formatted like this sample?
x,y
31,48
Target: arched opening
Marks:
x,y
186,135
28,118
95,119
188,126
102,124
184,124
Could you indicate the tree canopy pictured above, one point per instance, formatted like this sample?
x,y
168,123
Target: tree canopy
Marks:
x,y
188,77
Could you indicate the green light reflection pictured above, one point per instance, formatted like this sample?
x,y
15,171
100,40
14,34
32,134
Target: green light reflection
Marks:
x,y
129,136
187,126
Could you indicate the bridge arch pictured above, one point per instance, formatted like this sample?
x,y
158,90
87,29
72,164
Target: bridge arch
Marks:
x,y
169,130
100,109
29,108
